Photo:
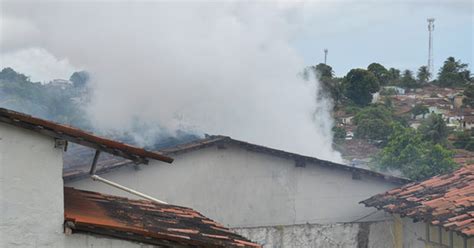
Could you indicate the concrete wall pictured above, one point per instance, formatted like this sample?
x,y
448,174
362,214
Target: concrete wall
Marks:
x,y
409,234
346,235
78,240
242,188
31,195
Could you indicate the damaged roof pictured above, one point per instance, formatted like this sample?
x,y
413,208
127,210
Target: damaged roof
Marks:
x,y
145,221
78,136
445,200
76,169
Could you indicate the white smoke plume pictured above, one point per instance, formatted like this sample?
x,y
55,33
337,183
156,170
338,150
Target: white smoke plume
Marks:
x,y
218,68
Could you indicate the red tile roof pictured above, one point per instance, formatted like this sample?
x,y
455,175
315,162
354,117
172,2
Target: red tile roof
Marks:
x,y
446,200
79,136
145,221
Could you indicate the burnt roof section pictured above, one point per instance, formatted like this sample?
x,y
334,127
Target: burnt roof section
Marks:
x,y
77,171
445,200
78,136
145,221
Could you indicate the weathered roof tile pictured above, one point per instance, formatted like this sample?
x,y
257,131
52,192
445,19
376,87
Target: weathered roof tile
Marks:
x,y
145,221
446,200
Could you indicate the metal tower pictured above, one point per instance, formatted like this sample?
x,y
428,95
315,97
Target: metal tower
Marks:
x,y
430,45
325,55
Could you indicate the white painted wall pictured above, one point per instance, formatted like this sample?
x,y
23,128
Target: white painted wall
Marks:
x,y
241,188
31,195
31,189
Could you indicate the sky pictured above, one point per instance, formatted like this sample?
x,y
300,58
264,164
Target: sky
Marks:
x,y
224,67
356,33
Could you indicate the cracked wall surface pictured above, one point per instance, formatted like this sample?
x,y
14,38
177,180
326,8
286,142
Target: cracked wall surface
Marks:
x,y
341,235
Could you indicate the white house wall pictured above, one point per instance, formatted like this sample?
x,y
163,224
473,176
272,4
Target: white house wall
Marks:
x,y
31,189
247,189
31,195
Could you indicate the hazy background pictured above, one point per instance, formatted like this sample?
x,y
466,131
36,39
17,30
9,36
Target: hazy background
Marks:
x,y
223,67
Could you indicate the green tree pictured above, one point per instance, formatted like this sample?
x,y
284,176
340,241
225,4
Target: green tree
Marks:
x,y
469,96
9,75
453,73
434,129
359,85
373,129
330,86
394,76
339,132
323,71
407,80
380,72
417,159
79,78
423,75
373,122
462,139
419,109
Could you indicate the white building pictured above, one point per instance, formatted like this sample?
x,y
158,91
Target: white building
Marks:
x,y
274,197
37,211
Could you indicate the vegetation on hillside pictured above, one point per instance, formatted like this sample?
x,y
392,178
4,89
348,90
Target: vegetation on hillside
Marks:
x,y
416,153
60,103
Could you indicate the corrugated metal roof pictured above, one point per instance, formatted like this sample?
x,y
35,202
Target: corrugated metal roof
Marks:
x,y
446,200
145,221
79,136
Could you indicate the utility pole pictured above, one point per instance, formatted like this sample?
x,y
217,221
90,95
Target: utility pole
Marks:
x,y
430,45
325,55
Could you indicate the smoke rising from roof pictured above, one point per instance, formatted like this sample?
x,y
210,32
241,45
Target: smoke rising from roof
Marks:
x,y
218,68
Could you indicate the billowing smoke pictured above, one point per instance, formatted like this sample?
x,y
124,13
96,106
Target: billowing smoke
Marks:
x,y
218,68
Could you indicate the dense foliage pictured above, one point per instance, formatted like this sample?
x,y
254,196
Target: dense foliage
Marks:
x,y
469,96
417,158
453,73
434,129
380,72
359,85
60,103
419,109
408,81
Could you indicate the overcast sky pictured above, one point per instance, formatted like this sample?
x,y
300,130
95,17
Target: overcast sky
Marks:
x,y
227,68
393,33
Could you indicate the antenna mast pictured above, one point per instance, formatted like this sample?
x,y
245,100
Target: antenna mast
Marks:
x,y
430,45
325,55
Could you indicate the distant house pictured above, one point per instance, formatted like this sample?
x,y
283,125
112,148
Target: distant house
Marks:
x,y
61,83
274,197
38,211
457,101
347,119
397,90
437,212
468,122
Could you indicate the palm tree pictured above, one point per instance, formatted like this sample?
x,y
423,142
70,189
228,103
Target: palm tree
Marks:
x,y
423,75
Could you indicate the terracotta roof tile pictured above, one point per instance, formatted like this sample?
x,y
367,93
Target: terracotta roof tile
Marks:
x,y
145,221
445,200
